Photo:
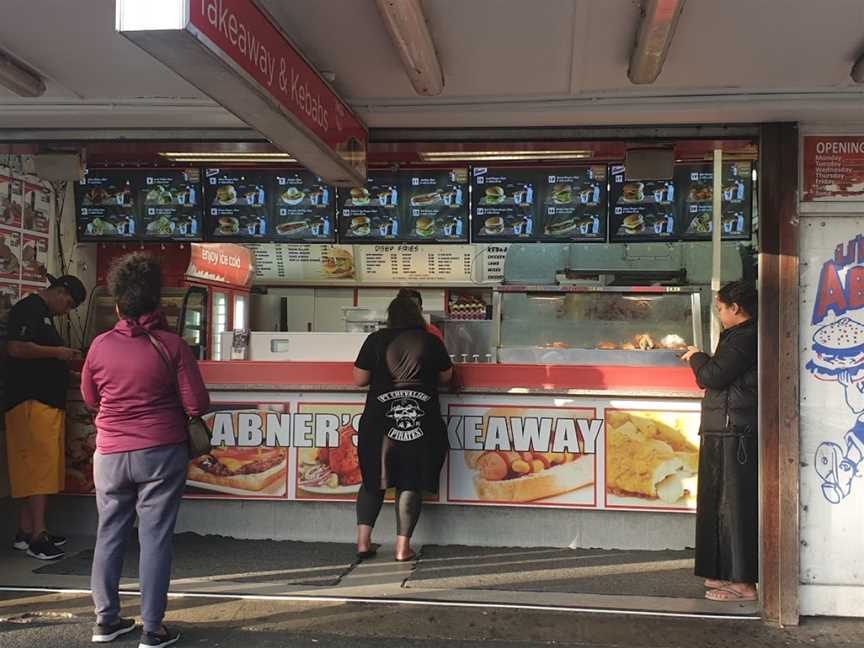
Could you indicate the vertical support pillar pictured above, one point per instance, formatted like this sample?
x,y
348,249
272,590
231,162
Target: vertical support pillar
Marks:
x,y
716,243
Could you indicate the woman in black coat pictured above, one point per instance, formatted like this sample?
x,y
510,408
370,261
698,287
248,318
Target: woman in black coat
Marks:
x,y
727,512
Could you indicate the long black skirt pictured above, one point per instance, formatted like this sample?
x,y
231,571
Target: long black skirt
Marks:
x,y
727,515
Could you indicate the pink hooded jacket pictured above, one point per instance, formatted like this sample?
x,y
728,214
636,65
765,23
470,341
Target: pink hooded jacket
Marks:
x,y
137,398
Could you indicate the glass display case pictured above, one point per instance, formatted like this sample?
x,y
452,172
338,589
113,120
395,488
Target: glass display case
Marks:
x,y
576,325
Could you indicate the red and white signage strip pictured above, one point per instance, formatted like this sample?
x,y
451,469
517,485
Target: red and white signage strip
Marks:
x,y
233,53
221,263
833,168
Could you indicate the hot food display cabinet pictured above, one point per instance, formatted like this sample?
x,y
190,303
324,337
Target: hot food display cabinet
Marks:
x,y
609,326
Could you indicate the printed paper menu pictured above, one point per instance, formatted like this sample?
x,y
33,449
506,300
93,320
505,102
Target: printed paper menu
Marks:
x,y
303,263
10,254
37,207
697,200
436,206
171,205
236,201
642,210
372,212
106,206
34,258
304,208
418,263
504,204
11,201
574,204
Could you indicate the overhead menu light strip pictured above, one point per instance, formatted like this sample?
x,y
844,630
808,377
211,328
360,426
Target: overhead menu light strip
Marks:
x,y
235,55
491,156
191,156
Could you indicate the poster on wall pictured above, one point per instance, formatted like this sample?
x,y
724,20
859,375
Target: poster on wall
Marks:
x,y
37,207
171,205
652,459
9,294
504,204
574,204
304,208
10,254
641,210
106,206
523,456
325,439
831,397
236,204
833,168
34,258
11,200
696,200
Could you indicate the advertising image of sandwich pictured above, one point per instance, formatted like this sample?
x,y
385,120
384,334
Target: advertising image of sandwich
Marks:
x,y
337,263
652,458
633,192
361,226
426,199
633,224
494,225
292,196
562,227
508,476
330,471
494,195
228,225
234,470
701,193
562,194
425,226
293,227
359,196
838,350
226,195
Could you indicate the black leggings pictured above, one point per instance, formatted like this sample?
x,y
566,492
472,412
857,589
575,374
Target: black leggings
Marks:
x,y
408,505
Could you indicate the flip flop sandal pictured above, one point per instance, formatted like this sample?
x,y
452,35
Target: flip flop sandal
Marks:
x,y
371,552
728,595
714,583
408,558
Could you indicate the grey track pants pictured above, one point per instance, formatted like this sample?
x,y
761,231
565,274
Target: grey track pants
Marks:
x,y
149,482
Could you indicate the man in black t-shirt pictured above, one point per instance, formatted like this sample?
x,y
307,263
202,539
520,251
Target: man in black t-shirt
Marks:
x,y
37,376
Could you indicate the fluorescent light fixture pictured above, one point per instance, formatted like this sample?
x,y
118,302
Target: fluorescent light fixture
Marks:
x,y
222,158
18,78
135,15
857,71
653,38
406,23
500,156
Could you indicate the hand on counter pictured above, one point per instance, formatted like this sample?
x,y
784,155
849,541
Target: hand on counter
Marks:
x,y
691,351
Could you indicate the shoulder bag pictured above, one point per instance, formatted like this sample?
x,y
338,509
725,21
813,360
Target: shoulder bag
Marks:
x,y
196,429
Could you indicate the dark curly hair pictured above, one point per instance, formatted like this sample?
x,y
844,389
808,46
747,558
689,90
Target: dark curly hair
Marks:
x,y
742,293
403,312
135,283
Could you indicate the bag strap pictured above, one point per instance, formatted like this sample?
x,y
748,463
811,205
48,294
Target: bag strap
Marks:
x,y
166,360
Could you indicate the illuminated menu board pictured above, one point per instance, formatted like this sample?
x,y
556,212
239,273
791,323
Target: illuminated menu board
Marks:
x,y
642,210
504,204
436,206
573,204
696,200
304,208
236,203
105,203
170,205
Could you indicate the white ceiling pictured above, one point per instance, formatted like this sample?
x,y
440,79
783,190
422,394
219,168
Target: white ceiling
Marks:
x,y
506,62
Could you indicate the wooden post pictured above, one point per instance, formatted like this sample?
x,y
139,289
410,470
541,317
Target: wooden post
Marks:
x,y
779,372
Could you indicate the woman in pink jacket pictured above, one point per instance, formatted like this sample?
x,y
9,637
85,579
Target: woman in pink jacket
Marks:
x,y
143,380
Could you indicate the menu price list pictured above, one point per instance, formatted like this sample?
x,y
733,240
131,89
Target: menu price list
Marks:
x,y
304,208
697,200
436,206
574,204
385,263
236,203
171,205
642,210
106,207
504,204
372,212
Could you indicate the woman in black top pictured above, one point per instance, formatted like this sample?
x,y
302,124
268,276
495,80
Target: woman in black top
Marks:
x,y
402,438
727,516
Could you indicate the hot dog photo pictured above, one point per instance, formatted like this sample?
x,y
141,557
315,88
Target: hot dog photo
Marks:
x,y
515,455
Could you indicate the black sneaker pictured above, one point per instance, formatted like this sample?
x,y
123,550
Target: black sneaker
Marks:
x,y
57,541
43,549
105,632
22,541
158,640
